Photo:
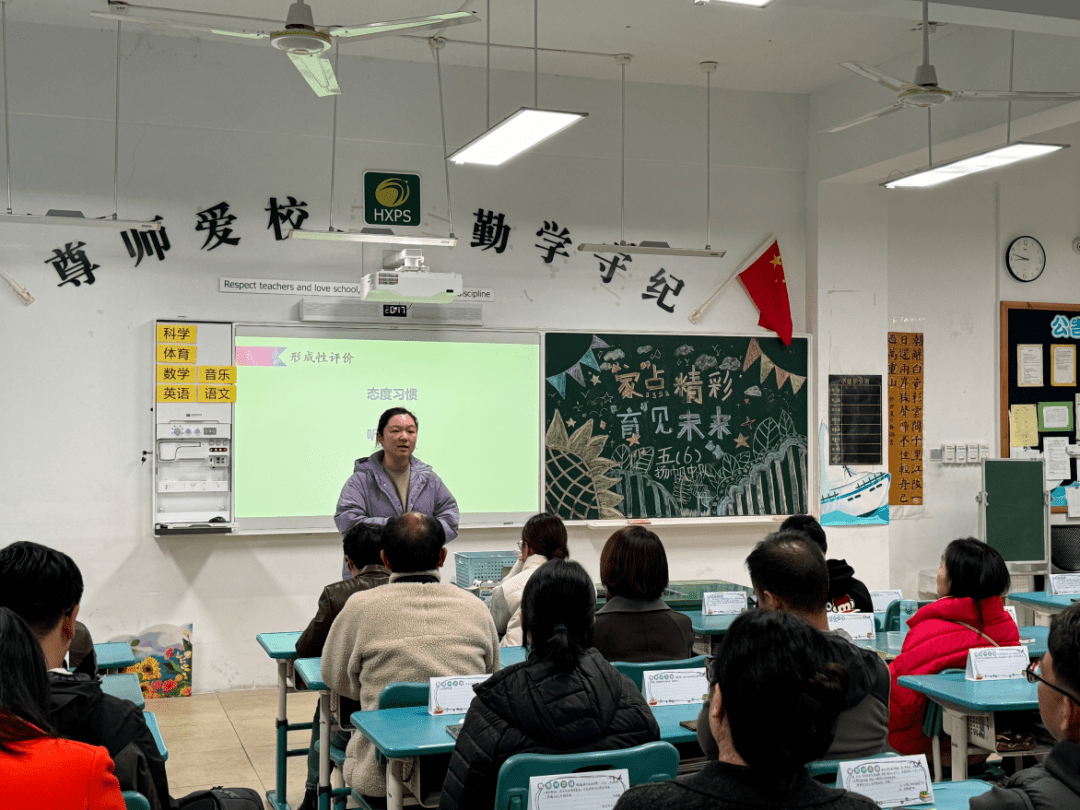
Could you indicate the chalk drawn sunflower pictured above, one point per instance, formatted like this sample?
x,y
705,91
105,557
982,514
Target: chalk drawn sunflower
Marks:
x,y
578,487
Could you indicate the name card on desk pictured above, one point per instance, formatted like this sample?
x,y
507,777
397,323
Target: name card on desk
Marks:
x,y
996,663
675,687
1064,583
882,599
891,782
722,603
598,790
860,626
454,694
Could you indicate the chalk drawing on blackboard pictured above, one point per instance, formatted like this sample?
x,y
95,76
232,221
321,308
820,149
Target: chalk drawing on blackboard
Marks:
x,y
558,381
577,483
854,499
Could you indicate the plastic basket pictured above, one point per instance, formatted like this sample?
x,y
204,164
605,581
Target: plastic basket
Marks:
x,y
669,595
689,593
480,565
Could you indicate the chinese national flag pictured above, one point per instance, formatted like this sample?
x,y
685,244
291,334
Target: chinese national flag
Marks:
x,y
764,280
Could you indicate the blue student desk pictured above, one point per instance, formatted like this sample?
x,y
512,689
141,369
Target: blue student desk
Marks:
x,y
709,625
1044,602
961,699
955,795
124,685
155,732
282,648
411,732
113,656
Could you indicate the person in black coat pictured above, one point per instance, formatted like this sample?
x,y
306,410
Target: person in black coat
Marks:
x,y
774,699
846,593
564,698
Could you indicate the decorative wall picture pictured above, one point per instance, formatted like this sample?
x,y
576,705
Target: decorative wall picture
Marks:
x,y
162,660
644,426
851,499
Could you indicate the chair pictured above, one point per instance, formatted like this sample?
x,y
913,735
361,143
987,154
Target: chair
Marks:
x,y
135,801
824,770
892,614
635,671
651,762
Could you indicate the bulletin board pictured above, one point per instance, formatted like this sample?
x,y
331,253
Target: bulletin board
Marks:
x,y
1040,343
672,426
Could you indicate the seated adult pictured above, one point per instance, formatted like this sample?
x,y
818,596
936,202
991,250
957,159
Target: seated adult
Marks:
x,y
543,538
564,698
969,613
635,624
39,769
411,629
788,573
1054,784
846,594
44,586
362,545
773,702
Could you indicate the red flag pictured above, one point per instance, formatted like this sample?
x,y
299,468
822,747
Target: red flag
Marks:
x,y
764,281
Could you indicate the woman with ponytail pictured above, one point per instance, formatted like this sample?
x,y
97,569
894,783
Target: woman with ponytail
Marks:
x,y
773,708
564,698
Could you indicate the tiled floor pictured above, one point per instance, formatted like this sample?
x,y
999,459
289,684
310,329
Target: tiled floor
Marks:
x,y
228,738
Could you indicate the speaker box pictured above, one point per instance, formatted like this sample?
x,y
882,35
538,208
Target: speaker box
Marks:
x,y
1065,549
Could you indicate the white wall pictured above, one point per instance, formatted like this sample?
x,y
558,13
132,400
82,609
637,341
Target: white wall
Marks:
x,y
204,122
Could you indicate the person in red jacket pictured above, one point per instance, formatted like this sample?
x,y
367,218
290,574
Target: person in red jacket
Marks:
x,y
968,614
30,757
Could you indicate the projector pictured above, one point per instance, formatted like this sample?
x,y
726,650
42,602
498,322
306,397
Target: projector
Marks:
x,y
404,278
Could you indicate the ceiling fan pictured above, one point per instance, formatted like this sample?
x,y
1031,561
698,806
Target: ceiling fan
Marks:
x,y
298,37
926,92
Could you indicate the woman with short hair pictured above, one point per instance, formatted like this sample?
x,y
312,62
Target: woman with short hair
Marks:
x,y
543,538
773,702
31,757
969,613
635,624
563,699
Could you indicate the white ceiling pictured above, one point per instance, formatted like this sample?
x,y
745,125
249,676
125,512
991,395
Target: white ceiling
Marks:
x,y
792,46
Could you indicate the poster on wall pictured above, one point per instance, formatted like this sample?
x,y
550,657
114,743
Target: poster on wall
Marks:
x,y
906,385
850,498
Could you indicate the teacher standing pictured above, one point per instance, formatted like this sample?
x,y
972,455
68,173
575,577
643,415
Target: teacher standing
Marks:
x,y
392,481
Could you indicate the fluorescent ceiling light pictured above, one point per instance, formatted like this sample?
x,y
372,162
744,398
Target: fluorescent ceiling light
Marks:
x,y
992,159
383,236
512,136
653,248
754,3
61,217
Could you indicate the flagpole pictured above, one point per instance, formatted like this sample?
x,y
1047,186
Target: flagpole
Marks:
x,y
695,316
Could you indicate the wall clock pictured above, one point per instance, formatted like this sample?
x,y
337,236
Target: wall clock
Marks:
x,y
1025,258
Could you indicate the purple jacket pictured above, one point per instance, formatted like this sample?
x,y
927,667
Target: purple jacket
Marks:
x,y
369,496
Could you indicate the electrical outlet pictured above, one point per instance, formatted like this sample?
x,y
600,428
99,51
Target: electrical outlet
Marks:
x,y
935,454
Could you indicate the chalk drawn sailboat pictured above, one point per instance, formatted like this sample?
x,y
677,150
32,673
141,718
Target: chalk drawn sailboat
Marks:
x,y
858,494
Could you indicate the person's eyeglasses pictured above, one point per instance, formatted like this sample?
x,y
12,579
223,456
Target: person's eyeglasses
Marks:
x,y
1033,676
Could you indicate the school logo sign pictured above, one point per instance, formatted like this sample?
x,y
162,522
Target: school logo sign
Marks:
x,y
391,198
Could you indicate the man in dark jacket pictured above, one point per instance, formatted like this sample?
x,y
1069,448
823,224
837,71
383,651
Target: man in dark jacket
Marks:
x,y
1054,784
788,573
362,544
45,586
846,594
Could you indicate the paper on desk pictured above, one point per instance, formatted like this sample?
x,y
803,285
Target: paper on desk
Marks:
x,y
892,782
996,663
882,599
1012,612
1072,501
1058,461
595,790
1064,583
675,687
721,603
860,626
1024,421
454,694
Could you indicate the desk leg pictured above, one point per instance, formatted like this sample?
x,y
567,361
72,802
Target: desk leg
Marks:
x,y
959,747
277,797
324,751
395,785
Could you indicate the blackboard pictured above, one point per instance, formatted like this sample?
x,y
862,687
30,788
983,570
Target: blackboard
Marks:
x,y
661,426
1043,325
1015,517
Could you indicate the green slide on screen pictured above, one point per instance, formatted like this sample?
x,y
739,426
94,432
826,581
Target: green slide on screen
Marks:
x,y
299,428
